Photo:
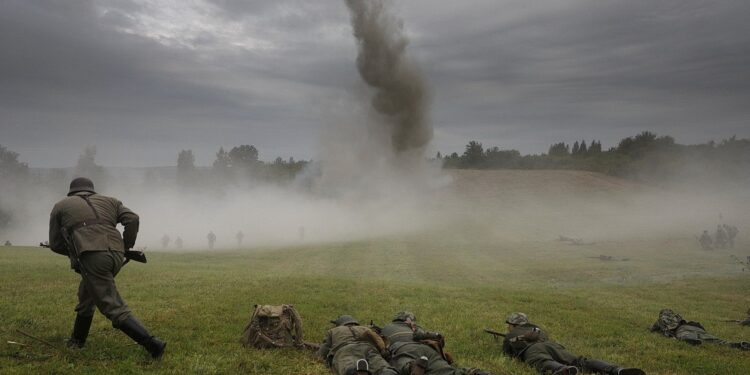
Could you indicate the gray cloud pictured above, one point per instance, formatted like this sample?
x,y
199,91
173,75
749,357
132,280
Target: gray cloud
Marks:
x,y
142,80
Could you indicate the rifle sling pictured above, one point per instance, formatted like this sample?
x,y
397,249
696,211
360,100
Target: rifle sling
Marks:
x,y
85,223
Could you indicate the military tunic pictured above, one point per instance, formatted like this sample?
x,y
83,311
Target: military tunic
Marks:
x,y
345,345
91,220
689,331
406,348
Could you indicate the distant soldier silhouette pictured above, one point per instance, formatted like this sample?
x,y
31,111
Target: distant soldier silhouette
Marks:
x,y
531,344
211,239
721,237
164,242
178,242
7,243
706,241
731,234
239,237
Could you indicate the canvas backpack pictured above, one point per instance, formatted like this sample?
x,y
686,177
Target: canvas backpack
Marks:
x,y
274,327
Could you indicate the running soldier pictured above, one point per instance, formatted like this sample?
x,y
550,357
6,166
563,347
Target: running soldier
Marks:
x,y
82,226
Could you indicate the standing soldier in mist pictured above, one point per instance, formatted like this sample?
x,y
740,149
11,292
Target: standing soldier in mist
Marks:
x,y
164,241
211,239
178,242
720,237
239,237
706,241
83,227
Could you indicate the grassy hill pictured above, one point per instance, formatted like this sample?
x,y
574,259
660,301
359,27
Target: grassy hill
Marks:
x,y
460,277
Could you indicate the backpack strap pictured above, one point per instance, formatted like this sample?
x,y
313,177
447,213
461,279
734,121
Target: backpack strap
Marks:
x,y
297,321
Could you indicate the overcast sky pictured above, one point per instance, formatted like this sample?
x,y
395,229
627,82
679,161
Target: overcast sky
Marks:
x,y
143,79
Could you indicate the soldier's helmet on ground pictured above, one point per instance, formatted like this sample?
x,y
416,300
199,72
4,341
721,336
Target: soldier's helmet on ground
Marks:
x,y
344,320
403,316
517,318
669,319
81,184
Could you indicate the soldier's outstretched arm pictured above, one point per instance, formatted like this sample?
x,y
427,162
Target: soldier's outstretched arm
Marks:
x,y
131,222
56,241
325,348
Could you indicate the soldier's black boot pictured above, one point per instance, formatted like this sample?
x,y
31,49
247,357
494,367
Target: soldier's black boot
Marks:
x,y
742,345
601,367
133,328
418,366
80,331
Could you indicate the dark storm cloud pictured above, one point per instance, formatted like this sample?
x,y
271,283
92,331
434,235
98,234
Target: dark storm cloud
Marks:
x,y
607,69
144,79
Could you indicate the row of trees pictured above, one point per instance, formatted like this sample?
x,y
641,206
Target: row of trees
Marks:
x,y
645,156
240,162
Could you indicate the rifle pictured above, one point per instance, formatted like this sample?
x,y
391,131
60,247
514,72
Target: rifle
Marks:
x,y
134,255
375,327
494,333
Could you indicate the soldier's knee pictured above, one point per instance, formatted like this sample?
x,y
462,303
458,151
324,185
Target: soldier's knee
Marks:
x,y
118,319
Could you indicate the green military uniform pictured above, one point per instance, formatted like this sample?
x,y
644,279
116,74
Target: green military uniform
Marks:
x,y
532,345
671,324
407,345
348,343
83,227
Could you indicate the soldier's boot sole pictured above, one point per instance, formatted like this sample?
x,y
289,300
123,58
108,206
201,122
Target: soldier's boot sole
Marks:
x,y
630,371
363,368
567,370
418,366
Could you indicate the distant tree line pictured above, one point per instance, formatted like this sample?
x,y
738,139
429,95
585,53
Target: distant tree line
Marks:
x,y
645,156
238,164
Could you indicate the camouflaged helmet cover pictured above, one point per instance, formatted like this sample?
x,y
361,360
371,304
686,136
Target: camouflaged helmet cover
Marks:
x,y
669,319
517,318
344,320
403,316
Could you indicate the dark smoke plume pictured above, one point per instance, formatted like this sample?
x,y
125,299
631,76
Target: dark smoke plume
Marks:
x,y
400,94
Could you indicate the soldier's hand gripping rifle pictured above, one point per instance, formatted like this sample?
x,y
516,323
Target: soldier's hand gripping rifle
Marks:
x,y
135,255
494,333
375,327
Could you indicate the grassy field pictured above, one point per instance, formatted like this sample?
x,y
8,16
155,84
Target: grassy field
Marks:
x,y
456,283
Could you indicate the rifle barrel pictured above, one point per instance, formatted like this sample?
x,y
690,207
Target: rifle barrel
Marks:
x,y
493,332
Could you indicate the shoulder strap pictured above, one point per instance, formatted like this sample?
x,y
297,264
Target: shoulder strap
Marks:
x,y
84,223
88,201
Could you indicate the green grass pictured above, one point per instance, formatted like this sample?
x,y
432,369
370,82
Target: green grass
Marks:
x,y
456,284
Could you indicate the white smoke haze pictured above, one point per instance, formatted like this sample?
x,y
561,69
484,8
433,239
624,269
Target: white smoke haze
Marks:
x,y
371,179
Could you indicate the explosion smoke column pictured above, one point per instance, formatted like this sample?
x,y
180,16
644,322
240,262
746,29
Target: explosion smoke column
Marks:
x,y
400,95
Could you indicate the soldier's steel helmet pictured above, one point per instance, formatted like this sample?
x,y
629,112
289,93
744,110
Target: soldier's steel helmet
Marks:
x,y
670,319
403,316
81,184
344,320
517,318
